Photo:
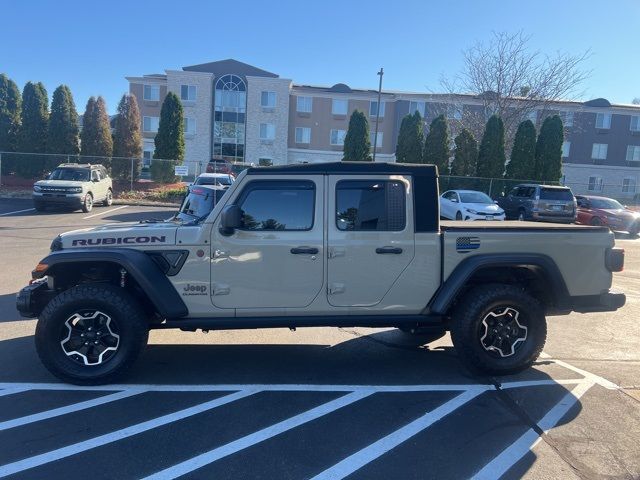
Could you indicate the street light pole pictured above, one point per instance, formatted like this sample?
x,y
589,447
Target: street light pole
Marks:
x,y
375,138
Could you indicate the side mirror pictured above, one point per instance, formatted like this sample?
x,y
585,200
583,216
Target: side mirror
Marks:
x,y
454,200
230,219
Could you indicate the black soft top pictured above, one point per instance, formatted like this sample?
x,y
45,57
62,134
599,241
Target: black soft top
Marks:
x,y
355,168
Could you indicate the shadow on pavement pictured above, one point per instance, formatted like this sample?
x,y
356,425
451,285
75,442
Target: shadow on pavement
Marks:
x,y
8,312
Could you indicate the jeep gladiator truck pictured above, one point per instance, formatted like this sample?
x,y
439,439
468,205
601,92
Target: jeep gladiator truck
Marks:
x,y
332,244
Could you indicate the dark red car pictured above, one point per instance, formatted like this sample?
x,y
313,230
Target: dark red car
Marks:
x,y
608,212
219,165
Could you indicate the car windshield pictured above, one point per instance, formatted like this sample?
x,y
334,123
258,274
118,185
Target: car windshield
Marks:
x,y
226,180
606,204
198,203
475,197
70,174
556,194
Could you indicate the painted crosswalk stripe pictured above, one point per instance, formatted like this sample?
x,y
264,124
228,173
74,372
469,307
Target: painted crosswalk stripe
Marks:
x,y
42,459
56,412
257,437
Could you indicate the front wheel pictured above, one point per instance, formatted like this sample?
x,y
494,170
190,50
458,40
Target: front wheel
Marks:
x,y
459,216
108,201
87,205
498,329
91,334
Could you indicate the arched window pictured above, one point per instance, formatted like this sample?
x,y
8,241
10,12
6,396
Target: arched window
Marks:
x,y
230,106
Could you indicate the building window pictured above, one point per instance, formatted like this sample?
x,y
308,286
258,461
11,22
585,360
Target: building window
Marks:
x,y
267,131
417,107
370,205
150,124
303,135
147,154
304,104
634,125
278,205
339,106
373,108
603,120
230,108
629,185
633,153
372,136
151,92
268,99
599,151
189,126
454,112
188,93
566,148
595,184
337,137
567,118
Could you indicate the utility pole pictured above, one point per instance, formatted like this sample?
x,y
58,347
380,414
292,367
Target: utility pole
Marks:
x,y
375,138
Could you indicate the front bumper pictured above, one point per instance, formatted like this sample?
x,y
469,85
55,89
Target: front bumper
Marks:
x,y
609,301
32,299
72,200
468,216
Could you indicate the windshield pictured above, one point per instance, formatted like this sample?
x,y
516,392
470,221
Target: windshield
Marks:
x,y
198,203
556,194
474,197
70,174
226,180
606,204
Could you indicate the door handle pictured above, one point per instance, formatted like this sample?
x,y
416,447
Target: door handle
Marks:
x,y
396,250
304,251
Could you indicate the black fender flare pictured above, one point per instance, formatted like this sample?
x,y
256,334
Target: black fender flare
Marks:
x,y
138,264
448,291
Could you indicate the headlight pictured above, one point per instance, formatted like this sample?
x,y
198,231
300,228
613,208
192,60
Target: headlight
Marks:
x,y
470,210
74,189
37,188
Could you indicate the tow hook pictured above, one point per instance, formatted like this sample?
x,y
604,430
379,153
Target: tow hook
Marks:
x,y
123,277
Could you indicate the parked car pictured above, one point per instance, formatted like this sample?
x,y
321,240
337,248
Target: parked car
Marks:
x,y
75,186
545,203
593,210
221,179
220,165
469,205
329,244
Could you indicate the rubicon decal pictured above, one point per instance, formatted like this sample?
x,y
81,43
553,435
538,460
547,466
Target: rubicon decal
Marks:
x,y
118,240
466,244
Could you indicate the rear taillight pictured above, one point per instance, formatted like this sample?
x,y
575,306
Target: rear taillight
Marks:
x,y
614,259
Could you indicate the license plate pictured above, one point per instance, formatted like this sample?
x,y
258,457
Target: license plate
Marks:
x,y
556,208
488,217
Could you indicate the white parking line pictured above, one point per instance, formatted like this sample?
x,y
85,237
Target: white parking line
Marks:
x,y
247,441
56,412
17,211
106,211
509,457
12,390
37,460
359,459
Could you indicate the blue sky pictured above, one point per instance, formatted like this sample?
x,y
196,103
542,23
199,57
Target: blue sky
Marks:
x,y
91,46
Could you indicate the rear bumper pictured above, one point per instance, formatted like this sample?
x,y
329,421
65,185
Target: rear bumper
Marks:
x,y
541,217
606,302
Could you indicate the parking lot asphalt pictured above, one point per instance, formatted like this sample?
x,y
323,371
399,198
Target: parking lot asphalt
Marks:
x,y
316,403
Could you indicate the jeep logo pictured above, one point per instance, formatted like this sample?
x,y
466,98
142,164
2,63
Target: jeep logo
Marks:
x,y
189,290
118,240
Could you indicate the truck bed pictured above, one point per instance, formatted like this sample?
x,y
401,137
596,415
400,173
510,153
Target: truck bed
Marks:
x,y
514,225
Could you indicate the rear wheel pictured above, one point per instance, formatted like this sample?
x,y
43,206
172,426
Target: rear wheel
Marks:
x,y
87,205
595,221
498,329
91,334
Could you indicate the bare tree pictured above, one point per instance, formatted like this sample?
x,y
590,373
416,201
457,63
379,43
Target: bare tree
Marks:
x,y
636,101
507,78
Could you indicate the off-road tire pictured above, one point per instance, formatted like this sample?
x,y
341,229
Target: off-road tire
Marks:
x,y
108,201
466,325
87,205
115,302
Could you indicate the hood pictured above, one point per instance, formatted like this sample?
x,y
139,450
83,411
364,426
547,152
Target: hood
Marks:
x,y
622,214
483,207
59,183
131,235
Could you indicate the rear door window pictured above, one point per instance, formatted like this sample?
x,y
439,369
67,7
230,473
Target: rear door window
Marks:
x,y
370,205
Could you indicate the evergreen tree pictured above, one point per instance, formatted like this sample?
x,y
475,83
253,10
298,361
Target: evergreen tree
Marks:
x,y
522,163
96,132
33,131
548,163
169,140
35,117
466,154
127,141
357,144
436,145
10,111
64,132
410,139
491,156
